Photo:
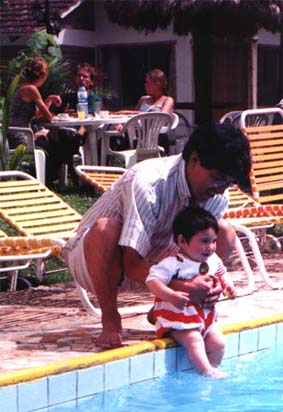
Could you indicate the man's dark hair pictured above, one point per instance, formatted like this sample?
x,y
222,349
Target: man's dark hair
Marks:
x,y
222,147
89,68
192,220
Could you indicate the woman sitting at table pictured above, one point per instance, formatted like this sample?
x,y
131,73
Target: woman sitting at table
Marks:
x,y
27,106
155,100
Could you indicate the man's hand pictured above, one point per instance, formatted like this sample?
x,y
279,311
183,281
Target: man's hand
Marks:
x,y
213,294
199,287
202,289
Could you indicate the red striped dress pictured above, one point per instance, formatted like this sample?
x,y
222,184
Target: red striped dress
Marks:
x,y
167,316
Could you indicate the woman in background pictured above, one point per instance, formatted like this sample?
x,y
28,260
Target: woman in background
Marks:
x,y
28,106
155,100
28,103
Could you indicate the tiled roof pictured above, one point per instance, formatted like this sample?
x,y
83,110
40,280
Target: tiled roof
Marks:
x,y
16,15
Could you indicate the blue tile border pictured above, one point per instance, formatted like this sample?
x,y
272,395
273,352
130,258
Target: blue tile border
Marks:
x,y
135,364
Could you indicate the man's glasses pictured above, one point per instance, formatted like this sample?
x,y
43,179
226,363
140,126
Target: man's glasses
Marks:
x,y
223,181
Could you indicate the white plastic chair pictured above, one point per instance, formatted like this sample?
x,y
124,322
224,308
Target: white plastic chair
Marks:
x,y
39,154
143,130
259,117
231,118
40,158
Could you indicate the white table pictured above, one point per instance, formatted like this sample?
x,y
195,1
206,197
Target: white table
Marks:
x,y
91,124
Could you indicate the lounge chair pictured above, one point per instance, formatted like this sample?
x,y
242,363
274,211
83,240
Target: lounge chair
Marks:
x,y
34,210
100,177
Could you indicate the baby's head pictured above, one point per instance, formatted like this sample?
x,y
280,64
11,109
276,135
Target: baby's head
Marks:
x,y
195,232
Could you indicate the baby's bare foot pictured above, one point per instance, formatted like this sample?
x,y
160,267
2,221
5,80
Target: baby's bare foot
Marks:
x,y
215,373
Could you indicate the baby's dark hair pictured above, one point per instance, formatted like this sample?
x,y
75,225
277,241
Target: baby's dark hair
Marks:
x,y
192,220
222,147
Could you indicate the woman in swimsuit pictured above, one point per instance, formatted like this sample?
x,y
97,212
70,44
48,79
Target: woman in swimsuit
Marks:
x,y
155,100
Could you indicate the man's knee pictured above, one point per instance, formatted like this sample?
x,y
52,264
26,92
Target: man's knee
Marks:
x,y
226,239
105,229
102,251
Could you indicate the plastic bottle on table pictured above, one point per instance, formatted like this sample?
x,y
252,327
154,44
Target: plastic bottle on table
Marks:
x,y
82,99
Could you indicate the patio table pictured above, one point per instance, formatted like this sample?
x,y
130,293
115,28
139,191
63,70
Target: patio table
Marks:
x,y
92,124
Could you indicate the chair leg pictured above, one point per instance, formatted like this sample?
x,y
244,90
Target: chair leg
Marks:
x,y
138,309
39,269
258,258
40,165
14,279
247,268
63,177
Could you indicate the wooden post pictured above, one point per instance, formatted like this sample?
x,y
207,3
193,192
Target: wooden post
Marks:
x,y
252,75
202,75
280,79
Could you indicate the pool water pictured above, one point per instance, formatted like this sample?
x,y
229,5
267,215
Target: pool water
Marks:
x,y
255,384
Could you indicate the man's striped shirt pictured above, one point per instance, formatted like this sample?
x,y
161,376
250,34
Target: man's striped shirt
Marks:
x,y
145,200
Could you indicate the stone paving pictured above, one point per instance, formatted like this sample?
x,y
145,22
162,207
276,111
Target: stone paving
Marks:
x,y
46,324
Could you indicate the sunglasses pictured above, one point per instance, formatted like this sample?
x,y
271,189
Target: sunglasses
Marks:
x,y
223,181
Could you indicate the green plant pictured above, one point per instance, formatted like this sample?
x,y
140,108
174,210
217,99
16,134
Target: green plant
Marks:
x,y
39,44
42,44
9,162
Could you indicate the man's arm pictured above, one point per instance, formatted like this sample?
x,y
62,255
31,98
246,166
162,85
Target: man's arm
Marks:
x,y
201,289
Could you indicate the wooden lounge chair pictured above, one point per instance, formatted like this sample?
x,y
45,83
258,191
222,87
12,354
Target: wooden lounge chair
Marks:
x,y
267,158
17,253
101,177
267,189
250,221
34,210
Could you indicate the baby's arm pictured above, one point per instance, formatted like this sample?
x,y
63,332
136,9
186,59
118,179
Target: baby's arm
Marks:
x,y
226,282
160,275
228,287
159,289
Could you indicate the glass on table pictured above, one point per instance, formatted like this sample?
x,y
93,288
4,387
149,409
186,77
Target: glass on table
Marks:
x,y
81,111
97,108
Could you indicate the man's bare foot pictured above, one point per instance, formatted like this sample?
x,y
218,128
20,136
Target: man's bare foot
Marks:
x,y
109,340
111,335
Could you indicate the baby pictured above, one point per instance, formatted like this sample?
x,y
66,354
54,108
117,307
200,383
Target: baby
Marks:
x,y
192,326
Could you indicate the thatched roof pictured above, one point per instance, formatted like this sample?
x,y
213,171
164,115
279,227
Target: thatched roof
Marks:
x,y
16,16
222,17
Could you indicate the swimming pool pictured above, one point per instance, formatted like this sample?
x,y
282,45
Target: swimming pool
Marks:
x,y
62,386
255,384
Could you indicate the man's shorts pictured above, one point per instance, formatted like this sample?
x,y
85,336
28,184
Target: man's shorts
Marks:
x,y
74,256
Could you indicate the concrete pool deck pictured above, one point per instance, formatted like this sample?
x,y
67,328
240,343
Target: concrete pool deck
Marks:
x,y
44,325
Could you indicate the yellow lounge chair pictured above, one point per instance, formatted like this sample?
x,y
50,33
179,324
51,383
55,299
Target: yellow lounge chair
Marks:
x,y
34,210
17,253
100,177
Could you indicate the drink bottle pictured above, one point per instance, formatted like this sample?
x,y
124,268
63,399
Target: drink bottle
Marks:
x,y
82,98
